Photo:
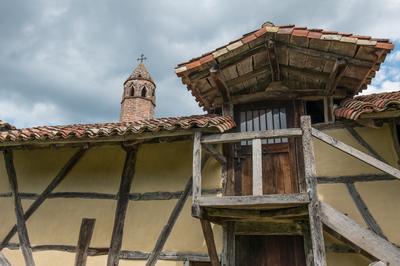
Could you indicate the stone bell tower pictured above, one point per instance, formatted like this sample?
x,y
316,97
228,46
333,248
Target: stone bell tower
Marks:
x,y
138,100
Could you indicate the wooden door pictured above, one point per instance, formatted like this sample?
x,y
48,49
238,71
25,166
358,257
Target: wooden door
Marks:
x,y
257,250
279,154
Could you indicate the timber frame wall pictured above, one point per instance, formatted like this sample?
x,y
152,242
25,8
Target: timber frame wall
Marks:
x,y
306,203
226,209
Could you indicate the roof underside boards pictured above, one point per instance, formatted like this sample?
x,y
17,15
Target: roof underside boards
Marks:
x,y
304,62
372,104
89,132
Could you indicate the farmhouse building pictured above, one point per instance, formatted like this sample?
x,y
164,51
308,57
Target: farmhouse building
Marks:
x,y
287,167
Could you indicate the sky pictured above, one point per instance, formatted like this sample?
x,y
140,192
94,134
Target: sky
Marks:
x,y
65,61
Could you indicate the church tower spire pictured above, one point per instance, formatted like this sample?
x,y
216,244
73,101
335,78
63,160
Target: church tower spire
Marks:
x,y
138,99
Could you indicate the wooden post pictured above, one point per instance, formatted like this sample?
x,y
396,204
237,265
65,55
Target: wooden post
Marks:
x,y
46,193
228,257
19,212
85,236
257,167
317,237
122,205
4,261
196,166
209,238
162,238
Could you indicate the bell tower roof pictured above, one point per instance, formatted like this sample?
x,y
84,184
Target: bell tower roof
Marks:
x,y
141,71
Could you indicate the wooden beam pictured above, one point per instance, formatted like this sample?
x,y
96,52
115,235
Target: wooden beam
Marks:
x,y
354,178
339,68
265,200
363,209
237,137
196,166
85,236
273,61
257,167
365,144
209,238
166,231
47,191
19,211
156,195
228,253
253,74
3,260
359,236
122,205
317,237
215,75
267,228
356,153
215,154
124,255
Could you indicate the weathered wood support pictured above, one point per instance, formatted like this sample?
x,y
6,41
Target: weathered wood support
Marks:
x,y
209,238
215,153
196,166
363,238
356,153
273,61
317,237
237,137
19,212
220,84
228,253
354,178
47,191
85,236
4,261
122,205
257,167
166,231
336,74
363,209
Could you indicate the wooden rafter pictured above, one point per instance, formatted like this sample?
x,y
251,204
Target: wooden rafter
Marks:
x,y
85,236
354,178
317,238
19,212
209,238
3,260
122,205
273,62
364,211
215,75
47,191
339,68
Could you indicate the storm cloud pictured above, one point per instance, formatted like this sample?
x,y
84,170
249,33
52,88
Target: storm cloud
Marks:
x,y
65,61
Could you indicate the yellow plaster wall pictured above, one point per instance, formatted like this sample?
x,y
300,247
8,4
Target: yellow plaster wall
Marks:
x,y
160,167
382,198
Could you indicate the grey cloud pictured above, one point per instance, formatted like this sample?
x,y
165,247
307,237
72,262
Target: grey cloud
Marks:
x,y
75,55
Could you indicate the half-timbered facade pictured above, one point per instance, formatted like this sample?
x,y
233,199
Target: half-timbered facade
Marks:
x,y
288,167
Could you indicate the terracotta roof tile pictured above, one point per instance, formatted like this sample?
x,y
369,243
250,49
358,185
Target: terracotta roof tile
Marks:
x,y
373,103
5,126
97,131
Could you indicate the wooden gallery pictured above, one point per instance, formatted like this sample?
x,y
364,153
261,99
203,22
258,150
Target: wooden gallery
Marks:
x,y
287,168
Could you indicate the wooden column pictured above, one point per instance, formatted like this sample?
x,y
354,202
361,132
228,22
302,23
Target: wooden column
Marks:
x,y
316,231
257,167
196,166
46,193
85,236
122,205
209,237
228,253
19,212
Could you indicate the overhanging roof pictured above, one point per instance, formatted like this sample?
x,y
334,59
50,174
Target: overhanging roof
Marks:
x,y
305,61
